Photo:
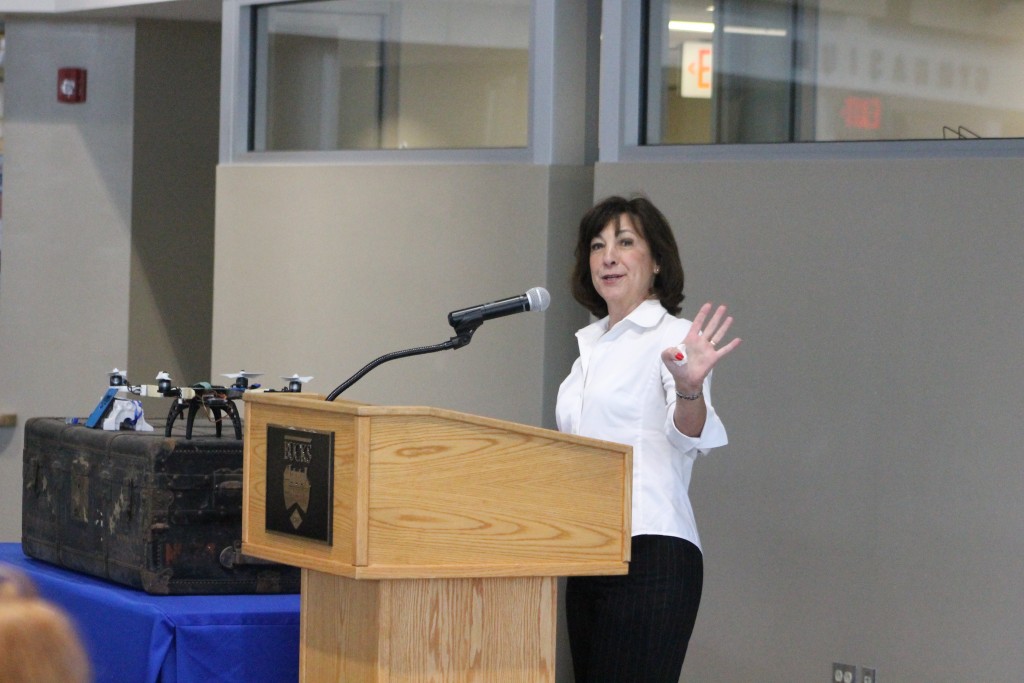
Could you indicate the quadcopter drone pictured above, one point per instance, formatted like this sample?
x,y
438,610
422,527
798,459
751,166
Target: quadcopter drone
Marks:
x,y
211,398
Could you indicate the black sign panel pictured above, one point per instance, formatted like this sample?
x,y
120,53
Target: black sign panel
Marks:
x,y
300,482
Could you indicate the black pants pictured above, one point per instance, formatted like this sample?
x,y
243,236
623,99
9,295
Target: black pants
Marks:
x,y
635,628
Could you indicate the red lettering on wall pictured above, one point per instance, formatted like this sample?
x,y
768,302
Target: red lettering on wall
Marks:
x,y
863,113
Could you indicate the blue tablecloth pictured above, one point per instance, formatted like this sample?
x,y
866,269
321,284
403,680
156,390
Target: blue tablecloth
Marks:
x,y
134,637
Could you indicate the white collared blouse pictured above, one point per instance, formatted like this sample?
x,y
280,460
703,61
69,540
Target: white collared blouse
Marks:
x,y
619,390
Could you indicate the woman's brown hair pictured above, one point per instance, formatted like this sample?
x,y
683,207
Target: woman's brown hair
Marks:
x,y
653,227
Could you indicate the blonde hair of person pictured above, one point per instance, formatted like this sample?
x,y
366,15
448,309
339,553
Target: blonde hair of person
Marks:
x,y
38,643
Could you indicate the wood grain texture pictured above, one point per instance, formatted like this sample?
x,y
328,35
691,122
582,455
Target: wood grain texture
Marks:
x,y
469,494
444,630
430,493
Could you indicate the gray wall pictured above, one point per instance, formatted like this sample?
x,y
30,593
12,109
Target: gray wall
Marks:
x,y
323,268
868,508
864,511
64,287
108,218
174,161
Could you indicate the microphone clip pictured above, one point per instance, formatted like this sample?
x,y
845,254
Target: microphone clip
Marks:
x,y
464,330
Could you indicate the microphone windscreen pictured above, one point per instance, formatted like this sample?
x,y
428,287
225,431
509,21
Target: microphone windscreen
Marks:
x,y
539,299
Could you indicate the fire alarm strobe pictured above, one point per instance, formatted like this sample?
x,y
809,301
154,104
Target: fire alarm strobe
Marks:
x,y
71,85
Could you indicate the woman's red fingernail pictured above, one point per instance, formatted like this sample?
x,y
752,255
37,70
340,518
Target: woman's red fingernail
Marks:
x,y
679,356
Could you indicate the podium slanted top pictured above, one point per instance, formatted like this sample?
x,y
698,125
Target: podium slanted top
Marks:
x,y
424,492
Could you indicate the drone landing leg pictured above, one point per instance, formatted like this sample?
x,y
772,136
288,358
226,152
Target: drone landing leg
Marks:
x,y
236,419
216,420
177,410
193,408
228,406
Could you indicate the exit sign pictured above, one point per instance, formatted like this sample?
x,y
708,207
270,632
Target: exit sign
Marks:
x,y
697,69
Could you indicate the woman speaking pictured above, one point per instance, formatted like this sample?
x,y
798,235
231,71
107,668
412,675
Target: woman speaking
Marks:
x,y
642,378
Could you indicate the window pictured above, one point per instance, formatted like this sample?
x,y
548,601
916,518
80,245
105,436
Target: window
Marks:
x,y
756,71
375,75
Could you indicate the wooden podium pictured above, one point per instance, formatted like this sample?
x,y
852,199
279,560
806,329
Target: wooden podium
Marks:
x,y
447,534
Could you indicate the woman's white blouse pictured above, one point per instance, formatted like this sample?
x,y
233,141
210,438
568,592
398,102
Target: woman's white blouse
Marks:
x,y
619,390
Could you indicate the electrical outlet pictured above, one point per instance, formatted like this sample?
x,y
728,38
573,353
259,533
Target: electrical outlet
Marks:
x,y
844,673
868,675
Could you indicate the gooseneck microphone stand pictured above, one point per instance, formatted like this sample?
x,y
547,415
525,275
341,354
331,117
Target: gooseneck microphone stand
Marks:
x,y
463,335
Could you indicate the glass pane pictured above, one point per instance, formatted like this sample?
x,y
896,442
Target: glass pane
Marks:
x,y
727,71
418,74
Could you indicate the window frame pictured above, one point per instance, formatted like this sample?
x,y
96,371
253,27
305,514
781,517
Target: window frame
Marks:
x,y
622,61
237,93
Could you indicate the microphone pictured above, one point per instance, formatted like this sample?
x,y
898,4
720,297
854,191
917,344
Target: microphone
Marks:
x,y
536,299
465,321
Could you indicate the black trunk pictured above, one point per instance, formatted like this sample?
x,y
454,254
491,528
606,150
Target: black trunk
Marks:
x,y
163,514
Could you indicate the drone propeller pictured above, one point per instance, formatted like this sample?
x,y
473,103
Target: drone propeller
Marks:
x,y
242,378
295,382
242,375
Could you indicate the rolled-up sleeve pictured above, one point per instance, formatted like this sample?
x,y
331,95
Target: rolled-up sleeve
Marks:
x,y
712,436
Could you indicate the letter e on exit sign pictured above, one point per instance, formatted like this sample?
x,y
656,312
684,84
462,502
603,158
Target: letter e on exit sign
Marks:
x,y
696,69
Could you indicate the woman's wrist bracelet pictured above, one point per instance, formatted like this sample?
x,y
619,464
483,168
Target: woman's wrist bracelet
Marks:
x,y
690,397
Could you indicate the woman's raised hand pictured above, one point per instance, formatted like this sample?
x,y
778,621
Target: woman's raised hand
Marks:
x,y
702,348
